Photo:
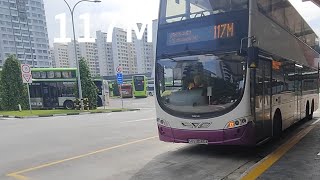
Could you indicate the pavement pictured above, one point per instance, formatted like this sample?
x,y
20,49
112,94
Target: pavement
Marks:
x,y
297,157
125,146
300,162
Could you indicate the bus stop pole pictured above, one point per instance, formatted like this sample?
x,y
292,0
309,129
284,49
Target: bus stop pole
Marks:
x,y
121,97
104,101
29,98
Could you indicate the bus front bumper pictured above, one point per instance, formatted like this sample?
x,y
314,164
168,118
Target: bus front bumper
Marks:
x,y
244,135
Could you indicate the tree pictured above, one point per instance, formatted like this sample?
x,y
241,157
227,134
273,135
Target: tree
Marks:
x,y
89,89
13,91
1,108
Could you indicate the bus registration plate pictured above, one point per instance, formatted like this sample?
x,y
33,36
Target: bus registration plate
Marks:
x,y
198,141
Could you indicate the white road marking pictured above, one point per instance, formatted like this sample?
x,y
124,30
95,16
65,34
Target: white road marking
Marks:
x,y
138,103
315,122
143,108
318,154
139,120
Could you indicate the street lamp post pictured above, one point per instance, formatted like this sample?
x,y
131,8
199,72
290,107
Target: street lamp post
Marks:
x,y
75,47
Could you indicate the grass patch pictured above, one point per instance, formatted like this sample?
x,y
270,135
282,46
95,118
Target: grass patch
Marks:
x,y
48,113
41,113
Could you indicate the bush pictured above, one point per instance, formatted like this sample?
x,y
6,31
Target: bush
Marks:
x,y
12,91
89,89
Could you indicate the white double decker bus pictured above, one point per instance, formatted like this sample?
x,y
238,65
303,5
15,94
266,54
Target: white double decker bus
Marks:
x,y
233,72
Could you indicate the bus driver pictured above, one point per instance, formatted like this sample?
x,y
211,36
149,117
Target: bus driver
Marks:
x,y
196,82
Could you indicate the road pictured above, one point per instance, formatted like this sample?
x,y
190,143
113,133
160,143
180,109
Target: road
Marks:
x,y
113,146
142,103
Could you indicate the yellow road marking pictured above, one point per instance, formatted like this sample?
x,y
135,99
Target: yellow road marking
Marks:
x,y
19,177
268,161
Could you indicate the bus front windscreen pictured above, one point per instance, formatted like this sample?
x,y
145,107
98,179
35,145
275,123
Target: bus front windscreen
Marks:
x,y
139,83
179,10
200,84
126,87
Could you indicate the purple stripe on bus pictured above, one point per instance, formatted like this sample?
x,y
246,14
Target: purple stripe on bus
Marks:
x,y
238,136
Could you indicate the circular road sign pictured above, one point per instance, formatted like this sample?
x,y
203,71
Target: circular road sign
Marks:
x,y
26,68
119,69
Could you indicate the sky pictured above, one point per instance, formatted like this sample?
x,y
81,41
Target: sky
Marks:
x,y
122,12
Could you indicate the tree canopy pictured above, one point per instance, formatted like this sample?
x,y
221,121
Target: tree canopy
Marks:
x,y
13,91
89,89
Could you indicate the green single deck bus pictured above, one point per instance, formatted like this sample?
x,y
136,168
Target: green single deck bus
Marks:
x,y
140,84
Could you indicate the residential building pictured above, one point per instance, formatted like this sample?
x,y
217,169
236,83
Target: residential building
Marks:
x,y
104,50
132,57
88,50
23,32
71,54
144,53
136,57
52,57
64,56
120,50
61,57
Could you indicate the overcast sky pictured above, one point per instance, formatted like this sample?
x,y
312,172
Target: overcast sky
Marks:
x,y
122,12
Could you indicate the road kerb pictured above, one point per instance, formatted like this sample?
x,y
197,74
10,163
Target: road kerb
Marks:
x,y
259,168
67,114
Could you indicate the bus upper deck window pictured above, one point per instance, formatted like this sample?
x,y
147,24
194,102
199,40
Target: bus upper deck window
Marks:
x,y
57,74
43,75
50,74
66,75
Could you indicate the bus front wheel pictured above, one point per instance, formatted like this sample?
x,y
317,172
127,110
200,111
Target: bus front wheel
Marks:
x,y
310,116
277,125
68,105
307,111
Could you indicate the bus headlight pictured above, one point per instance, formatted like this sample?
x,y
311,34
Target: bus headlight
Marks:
x,y
163,122
236,123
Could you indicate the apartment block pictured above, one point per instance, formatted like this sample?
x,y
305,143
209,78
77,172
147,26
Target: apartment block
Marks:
x,y
23,32
105,55
88,51
144,52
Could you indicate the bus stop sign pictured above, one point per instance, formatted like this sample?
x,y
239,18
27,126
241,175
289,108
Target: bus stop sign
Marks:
x,y
26,73
119,78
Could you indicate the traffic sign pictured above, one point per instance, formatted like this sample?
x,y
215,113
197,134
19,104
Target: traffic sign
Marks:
x,y
25,68
119,78
119,69
26,73
27,78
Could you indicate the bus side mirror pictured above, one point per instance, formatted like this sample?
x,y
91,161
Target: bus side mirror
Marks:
x,y
253,57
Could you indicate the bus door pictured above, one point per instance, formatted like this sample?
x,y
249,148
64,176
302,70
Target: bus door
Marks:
x,y
46,96
263,92
50,95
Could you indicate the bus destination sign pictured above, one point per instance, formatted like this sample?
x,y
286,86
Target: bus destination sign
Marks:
x,y
220,31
